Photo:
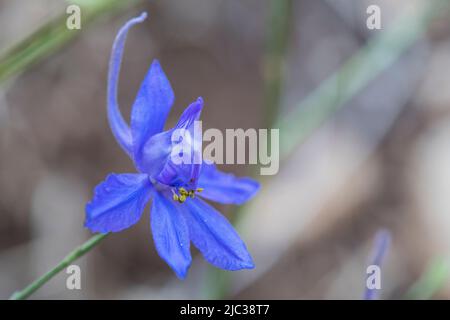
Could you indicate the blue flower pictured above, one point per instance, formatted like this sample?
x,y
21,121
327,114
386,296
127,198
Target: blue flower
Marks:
x,y
381,246
178,215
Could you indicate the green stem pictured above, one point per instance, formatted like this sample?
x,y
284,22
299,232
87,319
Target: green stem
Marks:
x,y
52,36
64,263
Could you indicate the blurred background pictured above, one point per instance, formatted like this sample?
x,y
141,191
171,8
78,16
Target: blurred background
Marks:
x,y
364,119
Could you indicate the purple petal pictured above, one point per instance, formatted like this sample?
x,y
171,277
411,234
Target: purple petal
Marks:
x,y
118,202
119,127
156,154
225,187
215,237
170,234
187,121
150,109
157,160
190,114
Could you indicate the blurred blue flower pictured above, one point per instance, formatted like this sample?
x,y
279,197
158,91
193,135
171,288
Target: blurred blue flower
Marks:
x,y
177,215
381,246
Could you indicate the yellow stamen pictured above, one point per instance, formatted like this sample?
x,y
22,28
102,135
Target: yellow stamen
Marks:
x,y
183,194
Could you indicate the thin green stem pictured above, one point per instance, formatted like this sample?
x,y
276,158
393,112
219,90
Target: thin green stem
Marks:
x,y
64,263
52,36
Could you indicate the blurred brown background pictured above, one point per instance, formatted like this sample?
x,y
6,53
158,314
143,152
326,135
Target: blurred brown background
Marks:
x,y
381,161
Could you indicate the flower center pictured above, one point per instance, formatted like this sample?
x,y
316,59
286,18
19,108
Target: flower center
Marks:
x,y
181,194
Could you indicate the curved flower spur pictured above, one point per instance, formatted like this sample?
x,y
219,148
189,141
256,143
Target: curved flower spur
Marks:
x,y
178,215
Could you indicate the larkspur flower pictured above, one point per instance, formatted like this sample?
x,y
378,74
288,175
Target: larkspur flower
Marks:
x,y
178,215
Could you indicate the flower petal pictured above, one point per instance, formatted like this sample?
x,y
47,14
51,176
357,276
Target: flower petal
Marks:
x,y
170,233
225,187
190,114
187,121
151,108
118,202
215,237
155,154
119,127
176,172
157,158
